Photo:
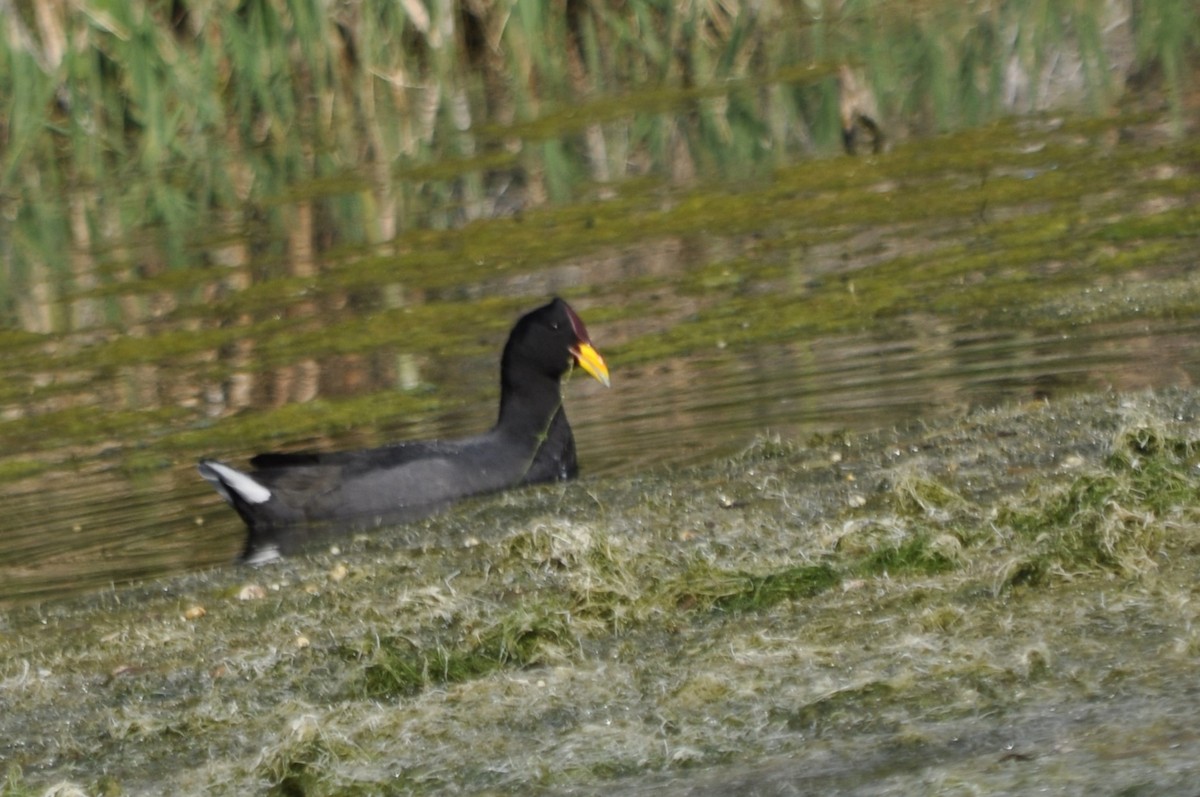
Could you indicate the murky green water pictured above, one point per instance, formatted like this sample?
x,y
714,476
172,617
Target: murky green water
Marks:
x,y
1024,261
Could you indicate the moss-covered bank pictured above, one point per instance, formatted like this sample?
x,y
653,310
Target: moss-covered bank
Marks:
x,y
994,604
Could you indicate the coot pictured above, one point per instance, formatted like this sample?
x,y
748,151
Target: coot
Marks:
x,y
288,499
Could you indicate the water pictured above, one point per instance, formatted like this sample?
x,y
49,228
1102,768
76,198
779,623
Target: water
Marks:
x,y
771,308
86,528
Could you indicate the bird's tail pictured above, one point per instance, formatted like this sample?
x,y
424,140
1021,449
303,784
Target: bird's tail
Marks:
x,y
246,495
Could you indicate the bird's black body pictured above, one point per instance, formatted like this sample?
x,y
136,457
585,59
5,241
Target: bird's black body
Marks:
x,y
289,498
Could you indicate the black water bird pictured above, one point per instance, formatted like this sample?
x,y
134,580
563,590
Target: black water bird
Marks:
x,y
288,499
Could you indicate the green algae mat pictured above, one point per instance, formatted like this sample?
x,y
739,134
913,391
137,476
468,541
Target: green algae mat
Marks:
x,y
994,603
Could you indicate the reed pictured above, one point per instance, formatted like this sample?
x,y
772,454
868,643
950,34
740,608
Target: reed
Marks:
x,y
165,119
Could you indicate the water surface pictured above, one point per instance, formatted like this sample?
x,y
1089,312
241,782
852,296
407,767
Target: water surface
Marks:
x,y
832,294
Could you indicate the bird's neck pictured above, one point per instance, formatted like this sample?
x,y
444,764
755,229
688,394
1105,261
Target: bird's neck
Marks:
x,y
528,406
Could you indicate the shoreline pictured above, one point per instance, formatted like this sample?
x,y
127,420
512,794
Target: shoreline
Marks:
x,y
993,601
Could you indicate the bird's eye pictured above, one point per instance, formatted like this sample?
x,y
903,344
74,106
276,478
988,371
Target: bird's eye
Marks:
x,y
554,325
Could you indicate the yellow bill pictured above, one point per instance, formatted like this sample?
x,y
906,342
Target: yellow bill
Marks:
x,y
590,360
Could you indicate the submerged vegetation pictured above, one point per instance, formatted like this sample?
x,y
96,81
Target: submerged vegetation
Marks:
x,y
885,594
1116,518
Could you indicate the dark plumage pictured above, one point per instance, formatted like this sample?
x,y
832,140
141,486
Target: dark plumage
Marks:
x,y
289,498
